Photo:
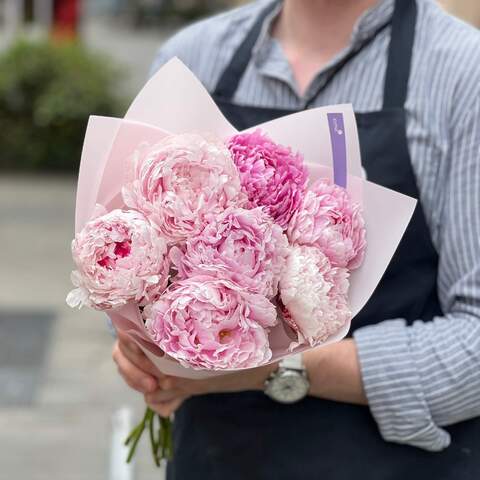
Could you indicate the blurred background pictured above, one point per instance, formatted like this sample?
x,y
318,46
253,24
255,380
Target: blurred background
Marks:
x,y
63,408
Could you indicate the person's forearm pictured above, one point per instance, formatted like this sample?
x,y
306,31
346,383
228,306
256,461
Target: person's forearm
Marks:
x,y
334,373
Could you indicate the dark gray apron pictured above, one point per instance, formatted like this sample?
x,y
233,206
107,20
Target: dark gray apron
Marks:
x,y
246,436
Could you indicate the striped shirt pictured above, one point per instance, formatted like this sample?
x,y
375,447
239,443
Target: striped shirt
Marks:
x,y
421,377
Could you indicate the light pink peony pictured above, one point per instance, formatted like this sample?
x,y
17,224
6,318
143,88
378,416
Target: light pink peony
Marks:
x,y
212,324
272,175
120,257
329,220
314,295
179,180
245,246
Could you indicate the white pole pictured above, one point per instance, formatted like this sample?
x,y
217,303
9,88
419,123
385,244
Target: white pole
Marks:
x,y
12,12
122,422
43,13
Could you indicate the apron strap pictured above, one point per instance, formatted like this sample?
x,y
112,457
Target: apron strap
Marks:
x,y
397,75
350,56
400,51
230,78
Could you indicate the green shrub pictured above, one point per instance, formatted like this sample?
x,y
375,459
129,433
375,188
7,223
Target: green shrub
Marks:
x,y
47,92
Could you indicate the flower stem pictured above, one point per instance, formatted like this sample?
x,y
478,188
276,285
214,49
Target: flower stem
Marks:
x,y
161,446
153,441
136,435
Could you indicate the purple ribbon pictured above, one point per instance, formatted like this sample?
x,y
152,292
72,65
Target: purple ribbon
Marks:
x,y
339,148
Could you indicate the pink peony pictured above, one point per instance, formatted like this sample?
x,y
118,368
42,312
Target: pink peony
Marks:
x,y
179,180
243,245
120,258
271,174
330,221
211,323
314,295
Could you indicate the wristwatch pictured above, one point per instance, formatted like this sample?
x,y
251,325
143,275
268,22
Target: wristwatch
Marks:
x,y
289,383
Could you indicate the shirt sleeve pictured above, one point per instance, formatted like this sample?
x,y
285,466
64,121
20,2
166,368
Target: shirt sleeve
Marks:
x,y
421,377
163,55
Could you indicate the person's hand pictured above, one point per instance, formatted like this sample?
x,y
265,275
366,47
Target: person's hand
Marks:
x,y
133,365
173,391
163,393
141,374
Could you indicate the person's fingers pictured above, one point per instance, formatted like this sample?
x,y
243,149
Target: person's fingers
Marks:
x,y
188,386
133,352
125,339
170,383
166,409
162,396
134,377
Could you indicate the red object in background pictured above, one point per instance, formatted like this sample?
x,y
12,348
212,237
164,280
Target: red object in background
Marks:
x,y
66,15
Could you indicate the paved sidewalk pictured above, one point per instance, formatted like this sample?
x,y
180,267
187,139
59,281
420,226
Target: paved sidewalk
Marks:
x,y
62,428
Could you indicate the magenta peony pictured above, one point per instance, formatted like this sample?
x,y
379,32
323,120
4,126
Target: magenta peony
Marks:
x,y
330,221
245,246
272,175
211,323
314,295
179,180
120,257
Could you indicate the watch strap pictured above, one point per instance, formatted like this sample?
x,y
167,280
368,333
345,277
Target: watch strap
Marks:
x,y
293,362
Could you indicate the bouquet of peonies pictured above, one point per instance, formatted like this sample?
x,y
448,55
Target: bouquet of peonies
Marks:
x,y
220,252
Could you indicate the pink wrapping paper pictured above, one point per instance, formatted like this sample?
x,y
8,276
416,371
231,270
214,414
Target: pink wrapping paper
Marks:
x,y
174,101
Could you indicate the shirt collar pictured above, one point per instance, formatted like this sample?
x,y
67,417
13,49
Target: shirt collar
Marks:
x,y
263,44
268,56
372,19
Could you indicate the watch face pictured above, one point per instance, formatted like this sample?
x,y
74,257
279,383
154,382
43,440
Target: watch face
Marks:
x,y
288,386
